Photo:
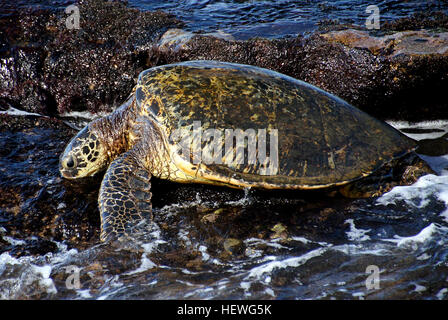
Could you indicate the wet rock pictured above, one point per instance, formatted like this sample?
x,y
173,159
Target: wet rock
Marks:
x,y
279,231
47,68
417,21
212,217
433,147
417,43
29,247
233,246
175,39
36,202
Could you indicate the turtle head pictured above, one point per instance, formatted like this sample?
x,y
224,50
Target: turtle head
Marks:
x,y
84,156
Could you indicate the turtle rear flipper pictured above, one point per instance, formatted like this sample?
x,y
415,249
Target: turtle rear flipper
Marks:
x,y
125,197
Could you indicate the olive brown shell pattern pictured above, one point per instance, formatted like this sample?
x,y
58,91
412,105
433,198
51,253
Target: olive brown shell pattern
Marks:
x,y
321,140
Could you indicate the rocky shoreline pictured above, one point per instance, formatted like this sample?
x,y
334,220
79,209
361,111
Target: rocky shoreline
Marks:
x,y
50,70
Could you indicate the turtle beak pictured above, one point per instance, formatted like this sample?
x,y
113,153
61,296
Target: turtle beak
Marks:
x,y
67,173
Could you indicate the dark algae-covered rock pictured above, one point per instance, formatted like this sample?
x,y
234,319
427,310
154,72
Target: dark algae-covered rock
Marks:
x,y
419,20
50,69
35,201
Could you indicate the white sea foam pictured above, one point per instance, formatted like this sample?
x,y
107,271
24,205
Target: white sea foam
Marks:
x,y
146,264
6,259
84,294
442,293
13,241
31,275
424,235
361,249
355,234
183,235
294,262
245,285
427,189
419,288
203,250
149,247
270,292
301,239
45,281
186,271
360,295
255,242
420,193
155,239
424,256
61,206
270,264
438,124
111,287
19,274
16,112
176,207
84,115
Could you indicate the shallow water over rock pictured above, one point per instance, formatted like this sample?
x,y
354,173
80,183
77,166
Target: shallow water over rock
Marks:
x,y
215,243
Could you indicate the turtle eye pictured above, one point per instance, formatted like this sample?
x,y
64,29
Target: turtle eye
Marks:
x,y
70,163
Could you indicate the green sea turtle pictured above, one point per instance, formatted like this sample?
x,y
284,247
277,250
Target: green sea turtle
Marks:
x,y
315,140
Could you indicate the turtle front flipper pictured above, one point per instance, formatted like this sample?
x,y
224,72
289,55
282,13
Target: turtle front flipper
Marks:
x,y
125,197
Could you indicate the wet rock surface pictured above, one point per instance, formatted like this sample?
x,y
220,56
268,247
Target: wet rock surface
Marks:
x,y
50,69
35,201
419,20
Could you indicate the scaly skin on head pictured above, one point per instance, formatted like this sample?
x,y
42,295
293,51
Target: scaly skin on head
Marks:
x,y
99,143
114,130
